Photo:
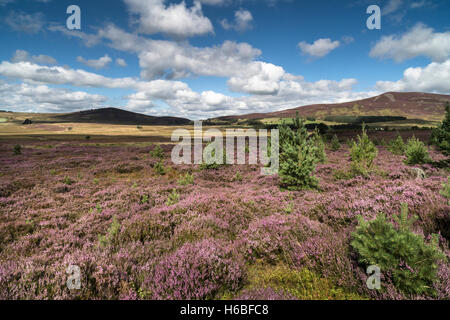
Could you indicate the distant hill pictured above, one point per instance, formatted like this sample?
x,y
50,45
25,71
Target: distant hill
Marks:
x,y
411,105
119,116
104,116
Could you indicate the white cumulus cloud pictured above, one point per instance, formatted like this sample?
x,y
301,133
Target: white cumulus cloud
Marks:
x,y
156,16
23,55
433,78
242,21
121,62
319,48
41,98
99,63
419,41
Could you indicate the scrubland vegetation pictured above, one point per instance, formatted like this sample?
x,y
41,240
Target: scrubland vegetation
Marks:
x,y
140,227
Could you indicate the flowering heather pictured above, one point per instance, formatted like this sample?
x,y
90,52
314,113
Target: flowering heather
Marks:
x,y
105,208
196,271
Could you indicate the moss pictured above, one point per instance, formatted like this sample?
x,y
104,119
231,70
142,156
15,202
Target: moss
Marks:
x,y
302,284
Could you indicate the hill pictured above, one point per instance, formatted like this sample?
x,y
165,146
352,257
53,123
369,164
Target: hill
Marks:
x,y
102,116
119,116
411,105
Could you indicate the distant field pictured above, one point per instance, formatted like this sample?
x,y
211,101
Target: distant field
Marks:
x,y
74,129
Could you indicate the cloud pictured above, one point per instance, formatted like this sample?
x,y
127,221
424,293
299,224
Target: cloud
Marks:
x,y
38,74
392,6
432,78
22,55
242,21
419,41
5,2
99,63
287,91
319,48
176,20
347,39
235,61
60,75
88,39
30,98
264,80
420,4
160,58
23,22
121,62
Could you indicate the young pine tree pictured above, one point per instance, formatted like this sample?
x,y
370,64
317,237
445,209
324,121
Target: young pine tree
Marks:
x,y
416,152
320,146
335,144
397,146
441,135
406,256
298,156
363,153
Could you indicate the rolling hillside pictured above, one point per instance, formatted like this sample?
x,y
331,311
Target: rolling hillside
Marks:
x,y
104,116
412,105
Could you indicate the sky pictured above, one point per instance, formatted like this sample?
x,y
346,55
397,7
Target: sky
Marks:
x,y
207,58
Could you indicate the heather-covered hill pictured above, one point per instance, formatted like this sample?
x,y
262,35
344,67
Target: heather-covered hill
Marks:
x,y
412,105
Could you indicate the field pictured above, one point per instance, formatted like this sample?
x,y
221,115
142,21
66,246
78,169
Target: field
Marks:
x,y
104,205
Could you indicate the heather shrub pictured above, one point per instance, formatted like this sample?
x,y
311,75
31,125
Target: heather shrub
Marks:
x,y
335,144
17,149
201,270
302,284
298,157
127,168
363,153
146,228
397,146
157,152
441,135
416,152
277,238
209,166
398,251
187,179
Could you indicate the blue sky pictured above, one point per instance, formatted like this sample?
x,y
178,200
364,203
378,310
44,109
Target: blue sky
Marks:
x,y
209,58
